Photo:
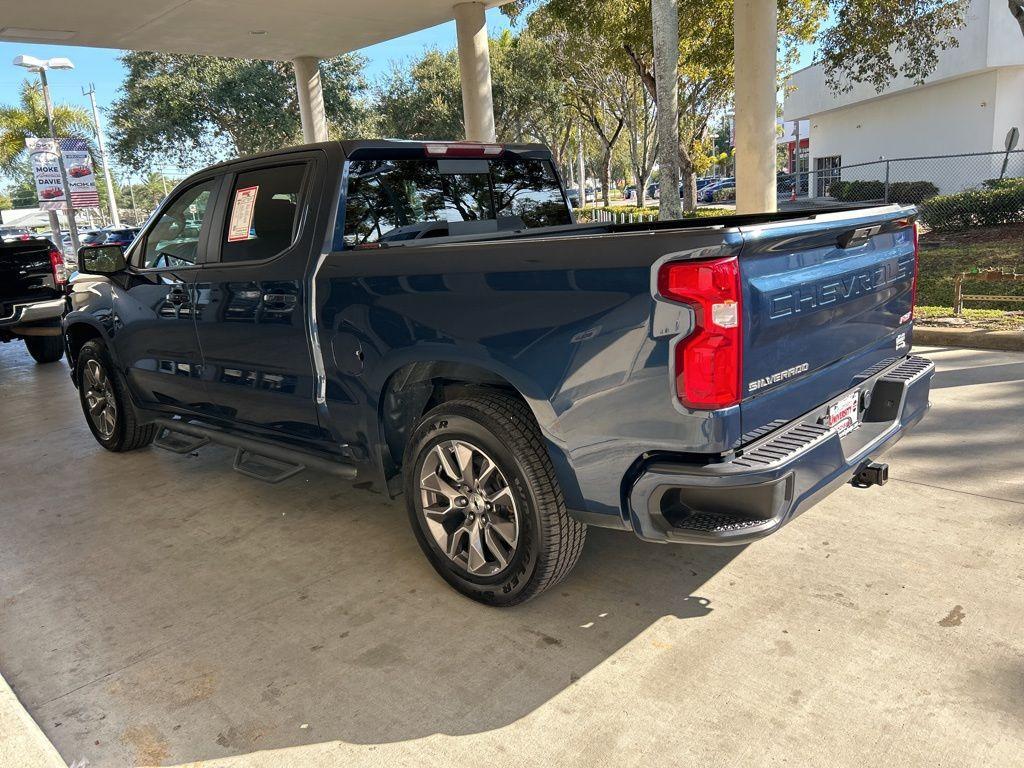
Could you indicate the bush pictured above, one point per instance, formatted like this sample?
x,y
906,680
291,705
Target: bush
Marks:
x,y
902,192
911,192
1003,183
724,195
1002,203
856,191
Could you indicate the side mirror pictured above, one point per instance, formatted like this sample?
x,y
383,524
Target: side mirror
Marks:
x,y
101,260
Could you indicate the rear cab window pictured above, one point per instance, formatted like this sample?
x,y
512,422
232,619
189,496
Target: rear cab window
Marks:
x,y
391,201
263,213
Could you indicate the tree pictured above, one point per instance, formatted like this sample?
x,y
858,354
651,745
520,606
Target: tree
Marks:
x,y
858,40
665,60
640,117
874,41
28,120
593,85
190,109
142,197
22,189
422,99
531,94
5,202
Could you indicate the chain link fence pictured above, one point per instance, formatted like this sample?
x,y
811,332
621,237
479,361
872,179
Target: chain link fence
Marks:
x,y
952,191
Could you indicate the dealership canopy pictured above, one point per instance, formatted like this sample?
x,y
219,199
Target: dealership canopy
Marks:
x,y
307,30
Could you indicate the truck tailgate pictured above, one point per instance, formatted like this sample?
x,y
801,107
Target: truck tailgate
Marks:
x,y
824,299
26,273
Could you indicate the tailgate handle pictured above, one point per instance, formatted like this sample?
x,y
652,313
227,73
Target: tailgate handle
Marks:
x,y
859,236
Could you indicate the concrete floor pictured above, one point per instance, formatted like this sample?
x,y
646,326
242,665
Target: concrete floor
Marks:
x,y
162,609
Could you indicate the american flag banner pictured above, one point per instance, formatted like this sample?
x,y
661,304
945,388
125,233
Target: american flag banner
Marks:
x,y
77,163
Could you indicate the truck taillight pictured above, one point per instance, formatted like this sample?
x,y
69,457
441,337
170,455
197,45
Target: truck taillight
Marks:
x,y
60,276
708,362
915,233
917,267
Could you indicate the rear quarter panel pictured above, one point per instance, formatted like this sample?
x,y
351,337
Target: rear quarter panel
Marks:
x,y
568,321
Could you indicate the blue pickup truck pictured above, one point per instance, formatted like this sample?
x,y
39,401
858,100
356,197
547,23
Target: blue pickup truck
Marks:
x,y
426,319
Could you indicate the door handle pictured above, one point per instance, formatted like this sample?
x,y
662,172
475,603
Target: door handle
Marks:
x,y
177,295
280,298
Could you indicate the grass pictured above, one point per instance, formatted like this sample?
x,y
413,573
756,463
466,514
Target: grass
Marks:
x,y
944,255
994,319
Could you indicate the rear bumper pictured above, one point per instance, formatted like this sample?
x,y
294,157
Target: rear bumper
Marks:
x,y
34,312
781,475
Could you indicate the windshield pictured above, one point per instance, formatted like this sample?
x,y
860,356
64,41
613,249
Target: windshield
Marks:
x,y
396,200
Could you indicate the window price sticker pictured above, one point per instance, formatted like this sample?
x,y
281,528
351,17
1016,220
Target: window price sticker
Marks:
x,y
240,225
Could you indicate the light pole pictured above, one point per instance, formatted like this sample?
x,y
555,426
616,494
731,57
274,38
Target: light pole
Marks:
x,y
115,215
131,191
32,64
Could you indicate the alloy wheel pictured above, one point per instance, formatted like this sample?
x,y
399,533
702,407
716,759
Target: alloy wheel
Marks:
x,y
99,398
469,508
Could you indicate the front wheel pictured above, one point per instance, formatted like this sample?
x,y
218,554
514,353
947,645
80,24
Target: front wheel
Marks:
x,y
45,349
104,396
484,502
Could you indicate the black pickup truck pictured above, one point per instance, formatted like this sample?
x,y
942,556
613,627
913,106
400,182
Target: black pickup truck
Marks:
x,y
427,319
32,285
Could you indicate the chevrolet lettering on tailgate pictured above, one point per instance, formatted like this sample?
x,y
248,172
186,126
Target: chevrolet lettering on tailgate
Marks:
x,y
808,297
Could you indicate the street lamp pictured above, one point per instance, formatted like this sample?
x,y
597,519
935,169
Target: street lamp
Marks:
x,y
32,64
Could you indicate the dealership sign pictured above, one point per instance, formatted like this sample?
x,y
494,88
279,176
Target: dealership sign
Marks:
x,y
46,170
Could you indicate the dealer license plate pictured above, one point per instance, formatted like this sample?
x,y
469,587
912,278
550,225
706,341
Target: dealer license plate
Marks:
x,y
843,415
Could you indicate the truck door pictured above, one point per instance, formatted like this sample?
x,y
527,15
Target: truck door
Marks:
x,y
251,310
155,336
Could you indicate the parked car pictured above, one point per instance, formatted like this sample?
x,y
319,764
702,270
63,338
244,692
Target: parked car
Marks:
x,y
707,194
629,192
32,285
706,181
652,191
15,233
123,236
93,237
516,378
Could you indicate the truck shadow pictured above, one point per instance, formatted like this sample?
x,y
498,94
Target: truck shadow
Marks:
x,y
317,616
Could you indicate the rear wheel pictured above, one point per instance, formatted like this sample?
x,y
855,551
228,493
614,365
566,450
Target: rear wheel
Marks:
x,y
104,396
484,502
45,349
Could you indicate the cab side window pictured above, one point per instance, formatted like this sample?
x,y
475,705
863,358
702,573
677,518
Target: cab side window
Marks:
x,y
174,239
263,213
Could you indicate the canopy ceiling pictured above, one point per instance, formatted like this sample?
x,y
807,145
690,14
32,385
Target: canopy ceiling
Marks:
x,y
255,29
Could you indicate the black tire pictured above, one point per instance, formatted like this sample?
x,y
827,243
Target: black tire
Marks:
x,y
45,349
549,541
127,434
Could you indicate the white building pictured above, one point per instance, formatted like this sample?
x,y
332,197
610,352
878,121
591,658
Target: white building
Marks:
x,y
974,96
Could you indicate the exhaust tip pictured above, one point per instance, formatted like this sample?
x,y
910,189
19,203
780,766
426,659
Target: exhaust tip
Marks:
x,y
871,473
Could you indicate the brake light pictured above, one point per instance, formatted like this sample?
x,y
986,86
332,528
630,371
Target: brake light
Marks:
x,y
917,267
708,362
463,149
60,275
